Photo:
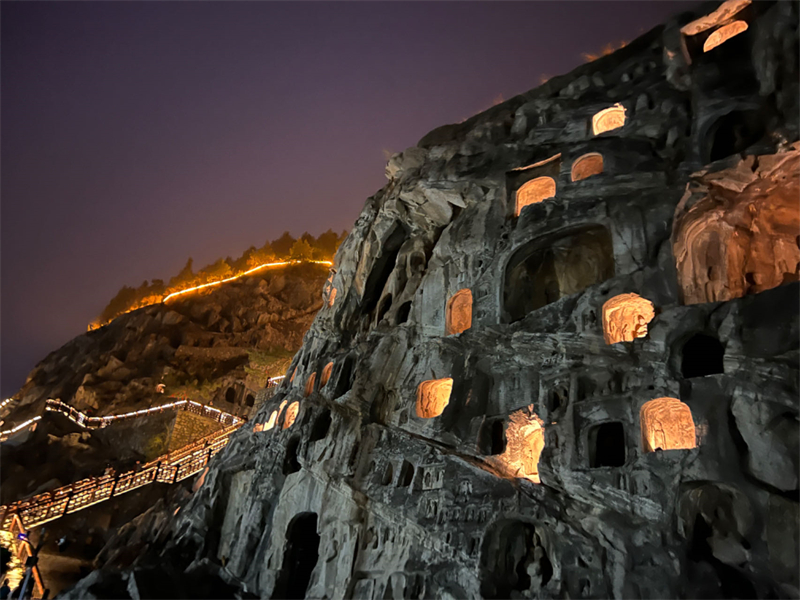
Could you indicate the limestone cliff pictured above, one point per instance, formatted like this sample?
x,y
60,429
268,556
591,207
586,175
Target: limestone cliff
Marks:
x,y
535,374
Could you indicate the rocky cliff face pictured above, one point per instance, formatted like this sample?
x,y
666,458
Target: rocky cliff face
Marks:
x,y
558,357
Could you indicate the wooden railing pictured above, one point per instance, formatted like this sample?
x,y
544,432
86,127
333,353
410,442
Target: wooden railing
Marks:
x,y
68,499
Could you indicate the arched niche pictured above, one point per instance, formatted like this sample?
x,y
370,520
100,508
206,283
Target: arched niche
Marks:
x,y
625,318
326,374
310,383
723,34
433,396
739,235
666,424
534,191
608,119
300,556
586,166
459,312
291,414
548,269
606,445
702,355
332,297
250,400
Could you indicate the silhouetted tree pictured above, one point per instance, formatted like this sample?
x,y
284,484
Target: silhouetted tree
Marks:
x,y
283,245
301,249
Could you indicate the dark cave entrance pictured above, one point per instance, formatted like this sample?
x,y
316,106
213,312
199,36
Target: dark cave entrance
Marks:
x,y
492,439
544,271
321,426
607,445
513,559
250,400
290,462
734,133
406,474
702,355
345,379
382,269
299,557
230,395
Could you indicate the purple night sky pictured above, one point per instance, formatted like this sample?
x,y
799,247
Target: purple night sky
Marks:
x,y
135,135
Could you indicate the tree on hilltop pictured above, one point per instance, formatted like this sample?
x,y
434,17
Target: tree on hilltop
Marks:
x,y
301,250
283,245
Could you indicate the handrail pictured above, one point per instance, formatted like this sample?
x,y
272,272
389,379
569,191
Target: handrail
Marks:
x,y
168,468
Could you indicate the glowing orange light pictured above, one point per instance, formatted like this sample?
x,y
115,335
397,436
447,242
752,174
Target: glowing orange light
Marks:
x,y
332,297
310,383
525,440
608,119
459,312
326,374
586,166
723,34
433,396
534,191
625,317
667,424
291,414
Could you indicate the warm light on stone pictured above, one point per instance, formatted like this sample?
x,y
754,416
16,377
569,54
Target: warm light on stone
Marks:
x,y
535,191
608,119
525,440
310,383
459,312
326,374
667,424
586,166
291,414
723,34
625,318
332,297
433,396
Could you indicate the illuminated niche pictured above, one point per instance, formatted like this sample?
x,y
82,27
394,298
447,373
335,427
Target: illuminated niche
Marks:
x,y
326,374
269,424
723,34
291,379
433,396
534,191
586,166
291,414
525,440
667,424
608,119
332,297
625,318
310,383
459,312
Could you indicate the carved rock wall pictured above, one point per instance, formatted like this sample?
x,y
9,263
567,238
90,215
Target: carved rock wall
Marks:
x,y
535,480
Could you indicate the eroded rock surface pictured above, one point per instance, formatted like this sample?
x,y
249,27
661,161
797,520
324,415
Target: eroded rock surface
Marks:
x,y
537,477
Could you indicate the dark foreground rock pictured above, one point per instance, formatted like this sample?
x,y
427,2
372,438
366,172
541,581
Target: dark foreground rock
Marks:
x,y
559,357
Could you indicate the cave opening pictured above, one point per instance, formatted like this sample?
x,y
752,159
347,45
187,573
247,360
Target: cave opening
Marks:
x,y
406,474
493,438
291,414
543,271
310,383
403,312
586,166
290,462
382,269
388,475
250,400
345,380
734,132
300,556
230,395
321,425
702,355
607,445
514,561
534,191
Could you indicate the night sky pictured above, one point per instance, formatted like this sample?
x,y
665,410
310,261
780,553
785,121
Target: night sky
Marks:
x,y
135,135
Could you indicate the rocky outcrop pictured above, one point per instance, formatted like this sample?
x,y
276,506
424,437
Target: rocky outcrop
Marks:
x,y
503,449
201,345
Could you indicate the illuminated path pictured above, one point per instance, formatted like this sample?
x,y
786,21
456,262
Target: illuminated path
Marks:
x,y
168,297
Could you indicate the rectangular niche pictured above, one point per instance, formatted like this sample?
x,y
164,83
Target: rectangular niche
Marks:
x,y
533,183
